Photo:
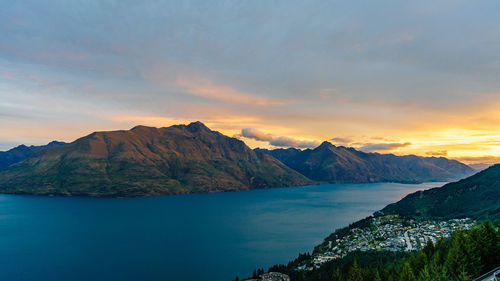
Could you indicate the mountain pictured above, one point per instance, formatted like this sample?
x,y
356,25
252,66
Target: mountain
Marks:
x,y
480,166
329,163
477,196
22,152
146,161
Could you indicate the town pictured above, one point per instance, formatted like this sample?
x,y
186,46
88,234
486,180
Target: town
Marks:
x,y
386,233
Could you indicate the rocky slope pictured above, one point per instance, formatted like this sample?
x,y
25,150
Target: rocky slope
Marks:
x,y
146,161
329,163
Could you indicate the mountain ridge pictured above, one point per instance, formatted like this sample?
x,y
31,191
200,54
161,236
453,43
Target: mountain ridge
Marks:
x,y
147,161
339,164
475,197
22,152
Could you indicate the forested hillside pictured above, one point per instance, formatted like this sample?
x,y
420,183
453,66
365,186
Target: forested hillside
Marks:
x,y
465,256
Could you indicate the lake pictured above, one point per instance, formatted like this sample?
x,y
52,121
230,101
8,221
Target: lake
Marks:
x,y
211,237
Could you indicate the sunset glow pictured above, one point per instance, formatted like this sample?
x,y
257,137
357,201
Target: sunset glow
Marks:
x,y
390,86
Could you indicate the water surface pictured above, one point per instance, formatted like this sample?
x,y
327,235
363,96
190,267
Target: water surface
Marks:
x,y
211,237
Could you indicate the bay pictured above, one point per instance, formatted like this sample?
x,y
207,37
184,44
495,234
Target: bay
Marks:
x,y
211,237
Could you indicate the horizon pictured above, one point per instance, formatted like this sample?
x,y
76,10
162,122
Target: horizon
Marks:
x,y
249,140
396,79
258,147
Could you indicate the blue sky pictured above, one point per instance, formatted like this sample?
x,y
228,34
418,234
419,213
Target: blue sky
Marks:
x,y
400,76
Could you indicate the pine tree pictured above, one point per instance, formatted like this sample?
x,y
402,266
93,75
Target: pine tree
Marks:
x,y
376,276
464,276
488,240
425,275
444,275
417,262
354,273
406,273
456,260
336,275
429,249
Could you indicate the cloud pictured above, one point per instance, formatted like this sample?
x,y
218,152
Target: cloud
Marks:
x,y
360,76
280,141
437,153
371,147
341,141
204,88
255,134
291,142
486,159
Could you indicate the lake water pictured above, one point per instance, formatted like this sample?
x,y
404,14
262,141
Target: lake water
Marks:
x,y
211,237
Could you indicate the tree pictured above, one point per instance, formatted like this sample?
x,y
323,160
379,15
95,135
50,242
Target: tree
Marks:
x,y
376,276
418,261
464,276
354,273
425,275
488,241
336,275
456,260
406,273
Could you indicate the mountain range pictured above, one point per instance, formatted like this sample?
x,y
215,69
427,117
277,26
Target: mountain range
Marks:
x,y
338,164
22,152
147,161
475,197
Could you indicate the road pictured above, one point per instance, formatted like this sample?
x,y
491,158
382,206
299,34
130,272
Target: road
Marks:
x,y
408,244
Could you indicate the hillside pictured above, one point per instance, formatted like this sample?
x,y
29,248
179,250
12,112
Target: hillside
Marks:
x,y
332,164
22,152
463,256
475,197
146,161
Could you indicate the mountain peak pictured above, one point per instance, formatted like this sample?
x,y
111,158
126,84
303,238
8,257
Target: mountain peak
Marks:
x,y
140,127
197,126
55,143
325,144
329,163
148,161
21,146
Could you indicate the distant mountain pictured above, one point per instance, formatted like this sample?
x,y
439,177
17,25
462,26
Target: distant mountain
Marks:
x,y
22,152
146,161
480,166
329,163
477,197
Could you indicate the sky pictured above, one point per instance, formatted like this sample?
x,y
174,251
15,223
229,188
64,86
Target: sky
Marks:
x,y
402,77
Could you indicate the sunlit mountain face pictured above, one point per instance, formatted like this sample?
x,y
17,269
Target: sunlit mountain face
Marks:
x,y
407,78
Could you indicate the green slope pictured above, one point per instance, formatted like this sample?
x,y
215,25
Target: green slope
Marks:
x,y
477,197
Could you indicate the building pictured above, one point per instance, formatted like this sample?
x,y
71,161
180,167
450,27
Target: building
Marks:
x,y
274,276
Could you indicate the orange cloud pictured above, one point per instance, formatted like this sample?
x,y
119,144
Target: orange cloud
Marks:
x,y
205,88
485,159
437,153
280,141
372,147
